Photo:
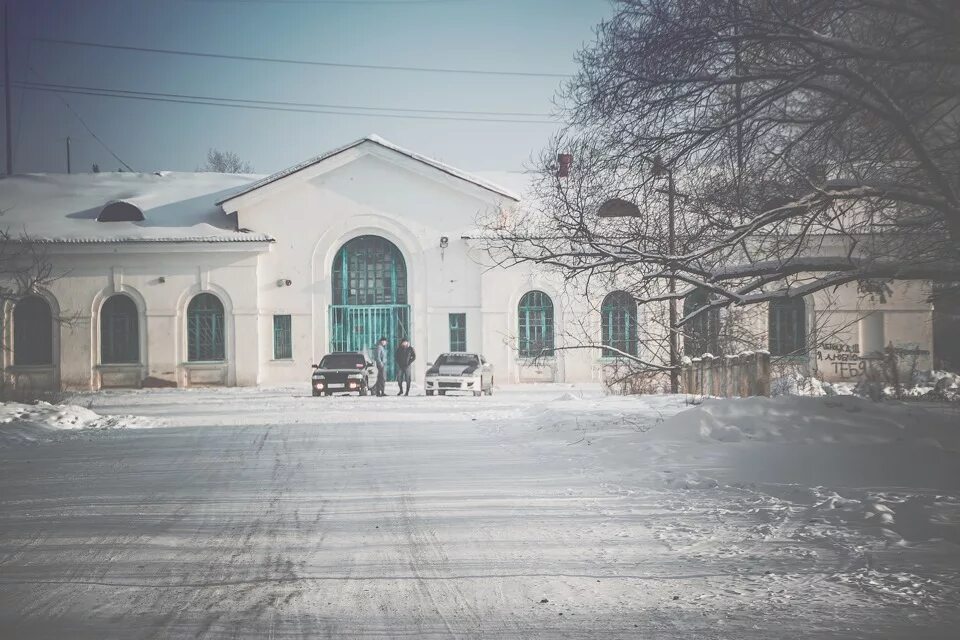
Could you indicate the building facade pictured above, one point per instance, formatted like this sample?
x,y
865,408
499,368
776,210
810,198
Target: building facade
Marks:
x,y
177,279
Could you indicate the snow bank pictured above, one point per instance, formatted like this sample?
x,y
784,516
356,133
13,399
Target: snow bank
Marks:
x,y
835,463
40,422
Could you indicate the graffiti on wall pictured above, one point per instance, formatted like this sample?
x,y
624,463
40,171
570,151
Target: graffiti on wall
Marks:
x,y
841,360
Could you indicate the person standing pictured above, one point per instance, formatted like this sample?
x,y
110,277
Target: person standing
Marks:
x,y
380,358
404,357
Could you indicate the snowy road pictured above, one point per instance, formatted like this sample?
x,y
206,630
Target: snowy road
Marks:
x,y
266,514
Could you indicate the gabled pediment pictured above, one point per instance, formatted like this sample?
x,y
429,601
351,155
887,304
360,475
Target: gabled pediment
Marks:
x,y
369,145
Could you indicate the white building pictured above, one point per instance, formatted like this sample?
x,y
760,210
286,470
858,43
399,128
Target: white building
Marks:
x,y
188,279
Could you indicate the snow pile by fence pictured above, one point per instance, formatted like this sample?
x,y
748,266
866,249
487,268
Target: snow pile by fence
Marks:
x,y
926,385
42,421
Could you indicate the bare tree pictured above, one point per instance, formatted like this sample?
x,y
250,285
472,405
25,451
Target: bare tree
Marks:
x,y
225,162
24,267
811,143
25,270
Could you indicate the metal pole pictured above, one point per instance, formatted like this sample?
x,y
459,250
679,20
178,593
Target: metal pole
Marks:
x,y
671,241
6,88
68,154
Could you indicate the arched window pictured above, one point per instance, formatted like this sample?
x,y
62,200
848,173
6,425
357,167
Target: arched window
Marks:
x,y
702,333
618,322
535,315
787,327
205,329
119,331
32,332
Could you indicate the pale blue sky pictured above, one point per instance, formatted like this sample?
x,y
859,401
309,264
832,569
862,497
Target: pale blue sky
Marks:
x,y
520,35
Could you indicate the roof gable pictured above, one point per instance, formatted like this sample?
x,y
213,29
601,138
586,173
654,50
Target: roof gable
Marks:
x,y
384,144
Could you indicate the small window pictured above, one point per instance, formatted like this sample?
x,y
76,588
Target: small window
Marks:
x,y
787,327
458,332
120,211
282,338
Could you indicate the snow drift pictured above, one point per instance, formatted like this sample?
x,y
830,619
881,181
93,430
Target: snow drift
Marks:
x,y
40,422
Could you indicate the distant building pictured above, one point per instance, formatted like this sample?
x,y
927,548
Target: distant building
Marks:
x,y
198,278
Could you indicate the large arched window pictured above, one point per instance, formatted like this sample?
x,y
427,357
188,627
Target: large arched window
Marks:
x,y
32,332
535,331
205,329
618,321
119,331
787,327
369,270
369,296
701,333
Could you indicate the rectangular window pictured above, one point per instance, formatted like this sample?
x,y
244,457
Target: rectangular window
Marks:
x,y
282,338
458,332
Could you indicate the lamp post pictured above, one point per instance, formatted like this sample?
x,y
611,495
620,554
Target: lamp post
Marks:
x,y
659,169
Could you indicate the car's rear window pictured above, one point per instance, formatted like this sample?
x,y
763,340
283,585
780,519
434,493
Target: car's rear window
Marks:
x,y
342,361
456,359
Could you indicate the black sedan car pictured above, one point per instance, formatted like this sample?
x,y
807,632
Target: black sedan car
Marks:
x,y
343,372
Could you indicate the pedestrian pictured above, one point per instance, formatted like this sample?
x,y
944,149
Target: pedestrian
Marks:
x,y
404,357
381,359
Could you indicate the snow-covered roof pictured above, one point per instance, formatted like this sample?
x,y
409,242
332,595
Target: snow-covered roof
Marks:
x,y
177,207
375,139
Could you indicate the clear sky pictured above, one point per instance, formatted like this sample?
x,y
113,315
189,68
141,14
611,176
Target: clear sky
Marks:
x,y
538,36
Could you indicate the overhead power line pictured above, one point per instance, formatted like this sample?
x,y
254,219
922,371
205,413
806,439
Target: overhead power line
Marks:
x,y
522,114
315,63
344,2
83,122
256,104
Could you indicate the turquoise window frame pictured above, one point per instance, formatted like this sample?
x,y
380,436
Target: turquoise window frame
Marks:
x,y
618,324
282,337
458,331
535,331
702,333
205,329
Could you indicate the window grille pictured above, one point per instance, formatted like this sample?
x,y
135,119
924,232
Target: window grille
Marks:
x,y
702,333
282,338
618,320
205,340
458,332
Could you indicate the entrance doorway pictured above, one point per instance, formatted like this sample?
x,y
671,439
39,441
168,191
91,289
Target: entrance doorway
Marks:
x,y
369,297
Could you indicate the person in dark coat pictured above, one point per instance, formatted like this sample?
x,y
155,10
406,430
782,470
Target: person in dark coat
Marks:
x,y
380,358
404,357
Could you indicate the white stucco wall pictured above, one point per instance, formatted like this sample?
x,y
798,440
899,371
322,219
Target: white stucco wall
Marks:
x,y
89,274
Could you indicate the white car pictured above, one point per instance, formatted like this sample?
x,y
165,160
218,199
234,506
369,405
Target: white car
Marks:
x,y
460,371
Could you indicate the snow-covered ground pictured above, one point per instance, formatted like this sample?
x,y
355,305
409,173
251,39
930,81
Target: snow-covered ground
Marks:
x,y
543,511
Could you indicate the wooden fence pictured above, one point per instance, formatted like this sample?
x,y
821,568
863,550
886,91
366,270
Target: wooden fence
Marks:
x,y
742,375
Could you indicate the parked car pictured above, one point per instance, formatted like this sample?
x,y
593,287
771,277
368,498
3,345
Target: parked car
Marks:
x,y
460,371
343,371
